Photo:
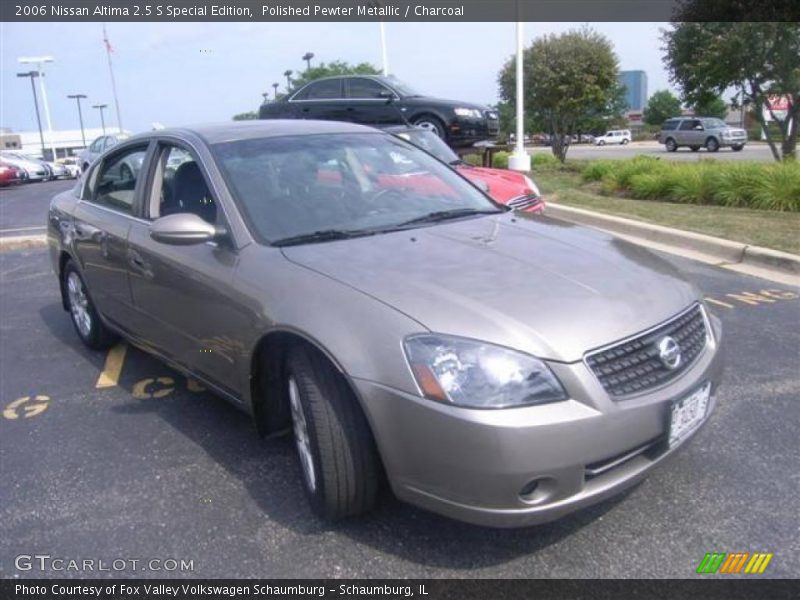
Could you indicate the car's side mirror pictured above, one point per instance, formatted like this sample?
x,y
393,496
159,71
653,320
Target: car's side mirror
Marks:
x,y
386,95
183,229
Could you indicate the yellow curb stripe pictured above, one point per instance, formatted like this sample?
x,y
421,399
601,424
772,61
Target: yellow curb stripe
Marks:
x,y
763,566
113,367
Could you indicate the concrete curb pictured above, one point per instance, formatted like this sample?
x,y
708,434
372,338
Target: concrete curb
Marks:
x,y
20,242
725,251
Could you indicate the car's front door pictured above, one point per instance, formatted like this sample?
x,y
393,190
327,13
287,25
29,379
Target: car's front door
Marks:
x,y
370,102
688,134
101,223
323,99
186,304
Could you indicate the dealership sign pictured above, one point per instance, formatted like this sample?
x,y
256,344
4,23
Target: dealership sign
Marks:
x,y
776,108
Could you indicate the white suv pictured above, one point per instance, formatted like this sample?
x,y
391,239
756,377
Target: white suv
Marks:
x,y
618,136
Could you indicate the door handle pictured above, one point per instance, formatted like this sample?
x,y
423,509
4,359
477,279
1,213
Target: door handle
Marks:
x,y
136,260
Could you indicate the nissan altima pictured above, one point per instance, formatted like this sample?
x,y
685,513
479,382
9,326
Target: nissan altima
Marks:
x,y
340,283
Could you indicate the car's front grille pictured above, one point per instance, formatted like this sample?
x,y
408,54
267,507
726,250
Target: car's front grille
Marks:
x,y
634,365
523,202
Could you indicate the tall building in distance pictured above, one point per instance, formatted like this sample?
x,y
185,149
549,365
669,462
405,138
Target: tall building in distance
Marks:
x,y
635,83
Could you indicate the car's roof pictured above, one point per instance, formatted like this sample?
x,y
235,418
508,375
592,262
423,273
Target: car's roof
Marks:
x,y
264,128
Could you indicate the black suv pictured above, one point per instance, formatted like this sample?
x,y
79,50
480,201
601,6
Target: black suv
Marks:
x,y
374,100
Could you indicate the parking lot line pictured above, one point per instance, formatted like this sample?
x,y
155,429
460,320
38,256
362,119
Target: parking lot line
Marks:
x,y
113,367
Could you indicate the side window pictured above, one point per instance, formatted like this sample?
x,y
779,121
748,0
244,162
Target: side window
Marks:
x,y
115,182
180,187
669,125
366,88
325,89
111,141
97,145
688,124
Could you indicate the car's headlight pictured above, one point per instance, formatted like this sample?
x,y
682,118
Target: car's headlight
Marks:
x,y
479,375
468,112
532,186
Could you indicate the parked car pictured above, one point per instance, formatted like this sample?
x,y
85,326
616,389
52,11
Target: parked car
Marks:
x,y
34,170
701,132
97,147
71,165
57,170
494,369
616,136
10,174
506,187
375,100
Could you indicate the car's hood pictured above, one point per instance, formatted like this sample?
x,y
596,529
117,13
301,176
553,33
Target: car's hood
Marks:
x,y
503,184
545,287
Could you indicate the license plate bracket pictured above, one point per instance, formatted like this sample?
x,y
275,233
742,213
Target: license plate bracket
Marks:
x,y
687,413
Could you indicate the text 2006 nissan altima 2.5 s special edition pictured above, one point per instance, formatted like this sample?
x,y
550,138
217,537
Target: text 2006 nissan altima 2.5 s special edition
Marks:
x,y
340,281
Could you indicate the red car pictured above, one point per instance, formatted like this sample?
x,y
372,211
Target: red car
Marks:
x,y
10,174
506,187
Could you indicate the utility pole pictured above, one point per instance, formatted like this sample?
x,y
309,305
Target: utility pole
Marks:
x,y
32,75
109,50
307,57
102,120
39,61
77,98
519,159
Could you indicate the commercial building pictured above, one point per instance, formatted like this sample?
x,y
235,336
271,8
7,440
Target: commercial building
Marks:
x,y
635,83
67,142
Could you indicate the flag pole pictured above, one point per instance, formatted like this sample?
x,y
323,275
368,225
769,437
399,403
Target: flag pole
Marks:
x,y
109,50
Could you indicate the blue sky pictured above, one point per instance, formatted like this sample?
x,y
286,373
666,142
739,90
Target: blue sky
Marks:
x,y
182,73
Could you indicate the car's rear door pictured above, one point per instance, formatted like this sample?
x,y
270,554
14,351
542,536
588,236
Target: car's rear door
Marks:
x,y
101,222
185,302
323,99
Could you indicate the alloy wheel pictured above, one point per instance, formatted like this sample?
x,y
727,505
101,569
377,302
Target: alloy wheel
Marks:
x,y
79,304
300,427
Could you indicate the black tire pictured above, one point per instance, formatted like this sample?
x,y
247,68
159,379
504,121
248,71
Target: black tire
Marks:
x,y
93,333
670,145
601,143
431,123
712,145
624,142
737,147
694,148
340,443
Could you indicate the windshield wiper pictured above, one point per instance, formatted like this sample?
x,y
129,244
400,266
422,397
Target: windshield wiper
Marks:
x,y
324,235
444,215
457,162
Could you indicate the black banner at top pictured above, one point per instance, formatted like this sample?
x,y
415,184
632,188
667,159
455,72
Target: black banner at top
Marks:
x,y
398,10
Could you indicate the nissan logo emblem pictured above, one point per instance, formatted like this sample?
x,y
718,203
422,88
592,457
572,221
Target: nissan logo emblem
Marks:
x,y
669,352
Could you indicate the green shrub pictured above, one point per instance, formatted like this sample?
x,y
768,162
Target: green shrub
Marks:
x,y
500,160
751,185
544,159
472,159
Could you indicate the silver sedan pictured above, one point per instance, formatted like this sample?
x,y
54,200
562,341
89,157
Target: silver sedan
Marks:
x,y
338,282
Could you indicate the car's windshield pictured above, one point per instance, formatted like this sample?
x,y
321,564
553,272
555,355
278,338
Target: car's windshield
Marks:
x,y
349,183
713,123
430,142
401,87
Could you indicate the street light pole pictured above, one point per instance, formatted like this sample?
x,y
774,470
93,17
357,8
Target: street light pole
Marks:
x,y
39,61
102,120
33,74
77,98
288,75
519,159
384,56
307,57
275,87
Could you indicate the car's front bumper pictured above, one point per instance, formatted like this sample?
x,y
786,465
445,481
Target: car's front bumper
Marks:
x,y
472,464
464,131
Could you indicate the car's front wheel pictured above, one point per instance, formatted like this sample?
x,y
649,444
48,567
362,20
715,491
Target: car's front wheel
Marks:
x,y
334,443
712,145
670,145
737,147
84,316
432,124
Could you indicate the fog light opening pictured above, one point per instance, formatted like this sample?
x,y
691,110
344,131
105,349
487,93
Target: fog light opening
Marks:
x,y
538,490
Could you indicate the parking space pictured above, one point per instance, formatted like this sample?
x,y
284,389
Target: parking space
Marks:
x,y
116,456
751,152
23,207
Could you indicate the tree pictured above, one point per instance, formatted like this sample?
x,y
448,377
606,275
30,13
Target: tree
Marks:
x,y
757,59
245,116
571,83
661,106
336,67
711,106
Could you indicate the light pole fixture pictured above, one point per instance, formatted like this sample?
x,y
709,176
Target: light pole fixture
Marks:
x,y
102,119
275,87
78,98
39,61
33,75
288,74
307,57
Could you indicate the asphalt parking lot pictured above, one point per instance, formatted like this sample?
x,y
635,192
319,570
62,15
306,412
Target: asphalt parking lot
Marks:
x,y
23,207
117,456
752,152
